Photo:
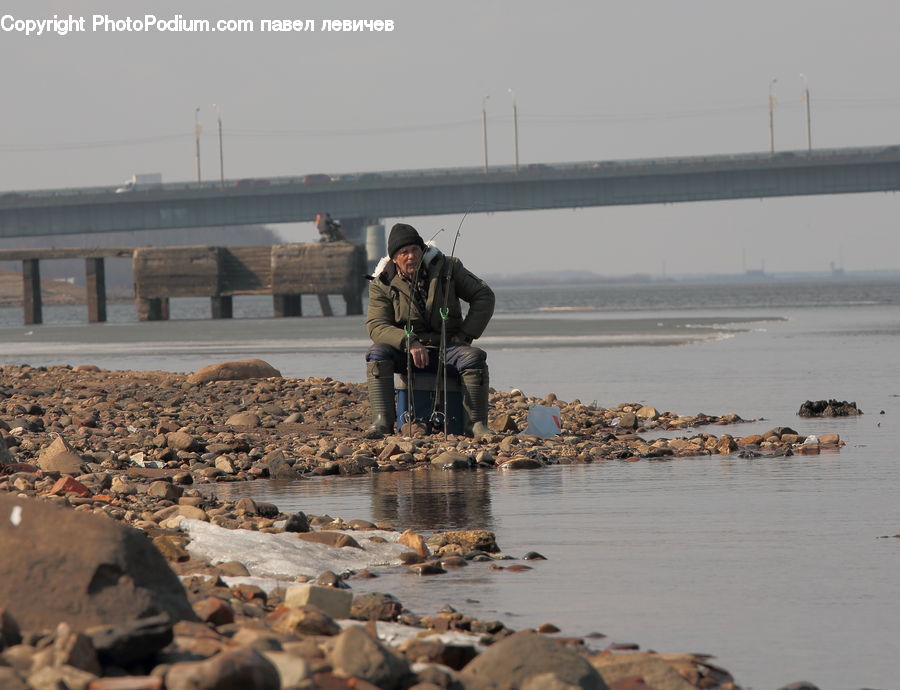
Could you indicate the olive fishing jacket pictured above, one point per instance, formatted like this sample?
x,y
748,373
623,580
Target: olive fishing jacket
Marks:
x,y
391,305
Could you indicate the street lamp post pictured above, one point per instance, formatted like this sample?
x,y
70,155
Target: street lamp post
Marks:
x,y
808,116
484,130
197,139
772,116
515,127
221,151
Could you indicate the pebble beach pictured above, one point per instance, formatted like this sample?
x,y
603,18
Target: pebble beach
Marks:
x,y
143,450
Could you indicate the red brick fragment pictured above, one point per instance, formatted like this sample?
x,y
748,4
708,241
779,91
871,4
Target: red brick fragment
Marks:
x,y
215,611
67,485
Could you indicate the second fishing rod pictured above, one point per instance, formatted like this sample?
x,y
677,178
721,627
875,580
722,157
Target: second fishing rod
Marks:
x,y
439,417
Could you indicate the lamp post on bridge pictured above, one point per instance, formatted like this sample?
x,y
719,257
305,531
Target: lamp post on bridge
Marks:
x,y
772,116
515,127
197,139
484,130
221,156
808,116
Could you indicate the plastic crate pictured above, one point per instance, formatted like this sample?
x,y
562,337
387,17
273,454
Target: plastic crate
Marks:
x,y
423,403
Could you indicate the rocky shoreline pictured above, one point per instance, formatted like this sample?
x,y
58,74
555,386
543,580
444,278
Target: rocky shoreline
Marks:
x,y
80,444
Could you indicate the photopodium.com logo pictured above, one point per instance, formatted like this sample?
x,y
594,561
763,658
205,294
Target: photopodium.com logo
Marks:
x,y
178,23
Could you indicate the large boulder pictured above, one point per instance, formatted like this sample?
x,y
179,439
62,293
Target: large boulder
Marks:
x,y
279,468
512,661
356,654
235,371
656,672
122,645
468,540
61,457
6,458
181,440
376,606
660,671
828,408
243,668
62,565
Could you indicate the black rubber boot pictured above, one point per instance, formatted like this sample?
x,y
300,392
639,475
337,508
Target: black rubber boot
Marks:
x,y
380,378
475,399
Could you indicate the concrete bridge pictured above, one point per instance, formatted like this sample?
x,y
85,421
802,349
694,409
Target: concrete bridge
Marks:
x,y
363,198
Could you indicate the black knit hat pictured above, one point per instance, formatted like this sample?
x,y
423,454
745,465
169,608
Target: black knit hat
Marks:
x,y
402,235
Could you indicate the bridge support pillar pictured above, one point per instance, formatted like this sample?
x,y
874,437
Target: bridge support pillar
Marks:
x,y
355,228
31,291
287,305
153,309
221,306
95,282
375,245
325,305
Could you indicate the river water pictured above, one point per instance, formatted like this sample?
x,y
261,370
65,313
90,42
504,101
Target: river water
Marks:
x,y
774,565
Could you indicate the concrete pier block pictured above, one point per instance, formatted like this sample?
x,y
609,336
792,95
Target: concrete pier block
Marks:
x,y
287,305
354,302
222,306
178,271
95,282
31,291
152,309
328,268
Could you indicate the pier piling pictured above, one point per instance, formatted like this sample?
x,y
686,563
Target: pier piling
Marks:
x,y
31,288
95,284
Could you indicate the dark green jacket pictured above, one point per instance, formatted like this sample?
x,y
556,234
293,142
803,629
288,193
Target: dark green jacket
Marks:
x,y
390,305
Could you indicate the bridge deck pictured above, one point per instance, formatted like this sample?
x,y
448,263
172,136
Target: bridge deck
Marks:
x,y
452,191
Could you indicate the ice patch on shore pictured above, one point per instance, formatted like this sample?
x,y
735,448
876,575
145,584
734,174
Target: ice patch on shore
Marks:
x,y
266,584
284,555
395,634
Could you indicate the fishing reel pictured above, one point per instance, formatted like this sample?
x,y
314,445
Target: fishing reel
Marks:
x,y
430,425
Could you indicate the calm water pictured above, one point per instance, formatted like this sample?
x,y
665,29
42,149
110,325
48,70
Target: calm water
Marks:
x,y
773,565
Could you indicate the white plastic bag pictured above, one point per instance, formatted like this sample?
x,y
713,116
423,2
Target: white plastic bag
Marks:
x,y
543,421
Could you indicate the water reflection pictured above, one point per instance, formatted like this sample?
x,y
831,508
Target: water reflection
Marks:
x,y
420,499
433,500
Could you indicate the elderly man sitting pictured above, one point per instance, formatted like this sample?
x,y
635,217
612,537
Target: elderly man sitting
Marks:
x,y
410,287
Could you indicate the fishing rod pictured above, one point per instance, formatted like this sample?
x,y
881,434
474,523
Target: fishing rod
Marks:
x,y
408,330
442,352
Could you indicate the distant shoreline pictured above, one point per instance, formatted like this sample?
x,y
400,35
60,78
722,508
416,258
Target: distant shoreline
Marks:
x,y
586,278
54,293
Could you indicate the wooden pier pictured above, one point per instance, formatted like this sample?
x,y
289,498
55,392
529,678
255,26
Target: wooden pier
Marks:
x,y
287,271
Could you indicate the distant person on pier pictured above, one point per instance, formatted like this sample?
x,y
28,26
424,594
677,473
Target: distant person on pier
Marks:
x,y
409,288
329,229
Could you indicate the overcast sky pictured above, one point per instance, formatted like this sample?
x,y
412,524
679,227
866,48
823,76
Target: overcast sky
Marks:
x,y
593,80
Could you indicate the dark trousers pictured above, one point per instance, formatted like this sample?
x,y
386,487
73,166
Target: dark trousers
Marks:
x,y
459,357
